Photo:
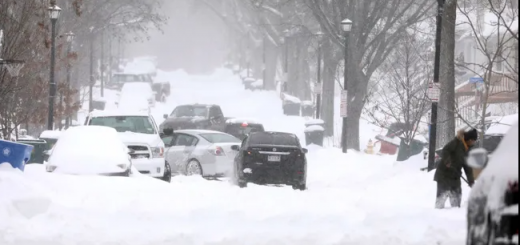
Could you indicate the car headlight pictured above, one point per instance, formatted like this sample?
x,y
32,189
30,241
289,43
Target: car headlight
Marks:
x,y
157,152
50,168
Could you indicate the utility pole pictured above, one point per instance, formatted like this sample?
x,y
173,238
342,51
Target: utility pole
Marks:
x,y
102,63
347,26
318,78
92,79
54,11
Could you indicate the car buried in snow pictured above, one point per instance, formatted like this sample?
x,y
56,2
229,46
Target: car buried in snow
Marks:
x,y
140,134
271,158
492,216
80,151
200,152
195,116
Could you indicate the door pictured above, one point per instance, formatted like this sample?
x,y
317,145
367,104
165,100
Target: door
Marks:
x,y
180,151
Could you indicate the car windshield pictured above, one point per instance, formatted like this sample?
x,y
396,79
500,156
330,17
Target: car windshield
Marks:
x,y
136,124
190,111
273,139
219,138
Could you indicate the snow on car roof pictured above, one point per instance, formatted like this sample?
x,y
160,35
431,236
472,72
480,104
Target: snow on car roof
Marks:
x,y
500,125
89,142
120,112
502,166
51,134
242,120
198,131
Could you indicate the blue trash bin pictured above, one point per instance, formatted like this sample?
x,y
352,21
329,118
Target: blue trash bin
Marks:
x,y
14,153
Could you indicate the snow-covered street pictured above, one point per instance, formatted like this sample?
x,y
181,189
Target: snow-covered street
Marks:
x,y
351,199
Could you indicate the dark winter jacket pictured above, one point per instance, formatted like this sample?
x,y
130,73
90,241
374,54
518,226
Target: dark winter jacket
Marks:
x,y
453,160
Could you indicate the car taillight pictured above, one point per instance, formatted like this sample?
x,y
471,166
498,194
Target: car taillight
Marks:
x,y
217,151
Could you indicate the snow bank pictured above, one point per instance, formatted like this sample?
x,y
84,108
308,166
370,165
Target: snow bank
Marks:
x,y
314,128
259,83
21,198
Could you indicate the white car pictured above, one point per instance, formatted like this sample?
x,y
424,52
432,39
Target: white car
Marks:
x,y
140,134
89,150
138,90
200,152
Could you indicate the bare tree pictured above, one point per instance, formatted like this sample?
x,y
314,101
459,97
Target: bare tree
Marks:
x,y
400,94
490,28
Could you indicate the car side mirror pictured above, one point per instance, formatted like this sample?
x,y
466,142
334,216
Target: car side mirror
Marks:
x,y
478,158
305,151
167,132
235,147
165,116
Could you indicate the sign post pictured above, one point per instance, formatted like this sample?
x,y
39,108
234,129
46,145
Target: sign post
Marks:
x,y
434,92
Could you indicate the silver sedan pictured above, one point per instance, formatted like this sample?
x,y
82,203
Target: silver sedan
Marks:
x,y
200,152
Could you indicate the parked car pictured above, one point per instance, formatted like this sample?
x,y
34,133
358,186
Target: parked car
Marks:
x,y
140,134
240,128
161,89
136,90
271,158
195,116
79,150
492,216
200,152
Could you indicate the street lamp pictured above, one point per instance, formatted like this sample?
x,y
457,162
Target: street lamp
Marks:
x,y
70,38
319,35
54,14
287,35
346,24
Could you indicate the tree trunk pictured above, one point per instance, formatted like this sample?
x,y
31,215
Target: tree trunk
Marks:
x,y
330,65
271,60
446,111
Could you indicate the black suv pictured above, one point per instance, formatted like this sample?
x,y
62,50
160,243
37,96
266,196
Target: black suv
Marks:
x,y
271,158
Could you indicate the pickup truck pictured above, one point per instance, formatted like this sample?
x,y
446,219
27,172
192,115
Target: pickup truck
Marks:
x,y
140,133
195,116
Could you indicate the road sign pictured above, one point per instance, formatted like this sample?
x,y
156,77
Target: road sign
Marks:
x,y
343,105
476,80
434,92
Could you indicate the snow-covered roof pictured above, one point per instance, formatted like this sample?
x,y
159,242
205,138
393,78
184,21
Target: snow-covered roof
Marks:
x,y
51,134
470,19
501,125
242,120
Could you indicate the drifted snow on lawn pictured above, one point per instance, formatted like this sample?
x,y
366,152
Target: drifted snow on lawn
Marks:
x,y
352,199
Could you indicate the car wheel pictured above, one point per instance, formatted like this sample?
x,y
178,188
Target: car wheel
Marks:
x,y
193,168
167,173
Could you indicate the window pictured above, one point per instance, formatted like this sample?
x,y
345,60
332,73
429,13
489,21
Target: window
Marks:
x,y
136,124
185,140
190,111
167,140
273,139
219,138
215,112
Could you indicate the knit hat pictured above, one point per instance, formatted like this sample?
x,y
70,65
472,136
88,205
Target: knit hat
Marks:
x,y
472,134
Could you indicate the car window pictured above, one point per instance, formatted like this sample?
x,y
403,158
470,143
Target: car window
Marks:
x,y
185,140
273,139
219,138
167,140
190,111
136,124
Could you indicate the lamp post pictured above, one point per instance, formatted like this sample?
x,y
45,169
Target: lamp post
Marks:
x,y
287,34
70,38
54,14
436,70
318,74
346,24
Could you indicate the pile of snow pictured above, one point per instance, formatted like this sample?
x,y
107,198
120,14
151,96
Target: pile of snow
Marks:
x,y
259,83
290,98
314,128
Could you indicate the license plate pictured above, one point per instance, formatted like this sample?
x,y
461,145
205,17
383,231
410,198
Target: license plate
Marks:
x,y
273,158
